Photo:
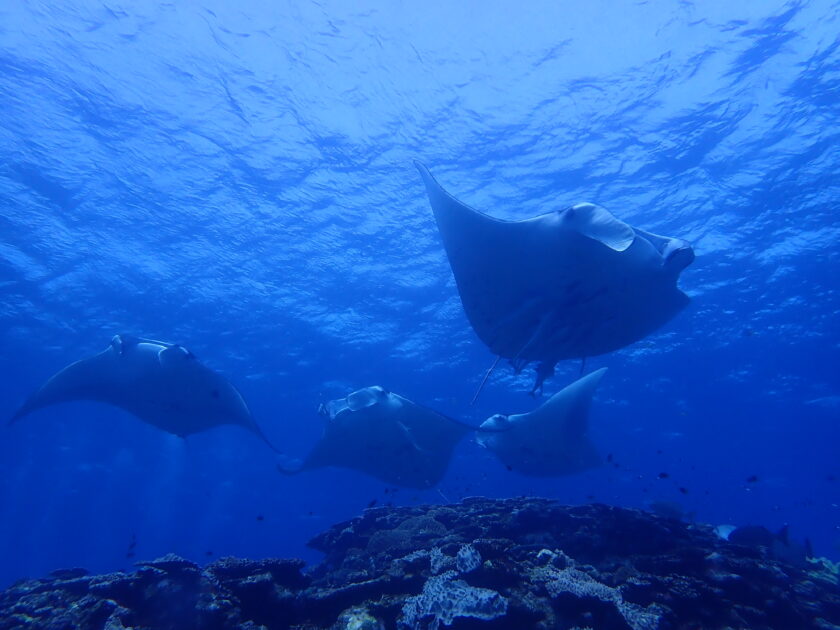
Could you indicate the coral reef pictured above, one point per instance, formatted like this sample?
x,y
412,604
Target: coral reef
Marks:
x,y
444,598
482,563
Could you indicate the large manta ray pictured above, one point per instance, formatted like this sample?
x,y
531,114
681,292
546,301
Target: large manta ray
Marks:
x,y
386,436
568,284
160,383
551,440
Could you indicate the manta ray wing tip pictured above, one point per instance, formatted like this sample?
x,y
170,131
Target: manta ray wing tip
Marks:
x,y
17,415
424,171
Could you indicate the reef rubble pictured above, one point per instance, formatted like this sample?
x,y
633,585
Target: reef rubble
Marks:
x,y
481,563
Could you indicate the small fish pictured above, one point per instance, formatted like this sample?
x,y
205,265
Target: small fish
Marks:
x,y
260,517
663,475
372,502
683,490
752,478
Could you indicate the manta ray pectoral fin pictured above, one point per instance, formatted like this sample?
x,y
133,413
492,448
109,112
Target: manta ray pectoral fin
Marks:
x,y
538,336
409,437
77,381
580,394
600,225
569,406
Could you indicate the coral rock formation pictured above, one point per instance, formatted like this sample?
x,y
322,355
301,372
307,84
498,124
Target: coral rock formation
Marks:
x,y
482,563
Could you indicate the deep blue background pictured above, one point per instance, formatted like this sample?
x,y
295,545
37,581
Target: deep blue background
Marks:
x,y
237,177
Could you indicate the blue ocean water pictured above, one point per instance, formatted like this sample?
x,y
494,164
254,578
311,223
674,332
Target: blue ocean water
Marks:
x,y
237,177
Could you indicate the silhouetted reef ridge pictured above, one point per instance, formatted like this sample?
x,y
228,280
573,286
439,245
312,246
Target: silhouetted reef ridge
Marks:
x,y
482,563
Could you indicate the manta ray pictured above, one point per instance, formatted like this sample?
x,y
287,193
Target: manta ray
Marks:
x,y
386,436
163,384
568,284
551,440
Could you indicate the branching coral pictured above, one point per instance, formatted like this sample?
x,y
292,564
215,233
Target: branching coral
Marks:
x,y
559,575
444,598
467,559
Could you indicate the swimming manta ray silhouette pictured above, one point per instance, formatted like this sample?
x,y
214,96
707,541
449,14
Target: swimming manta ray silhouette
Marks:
x,y
160,383
568,284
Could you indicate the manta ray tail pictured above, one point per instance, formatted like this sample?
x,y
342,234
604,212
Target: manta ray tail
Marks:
x,y
17,416
484,380
35,401
256,429
24,409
